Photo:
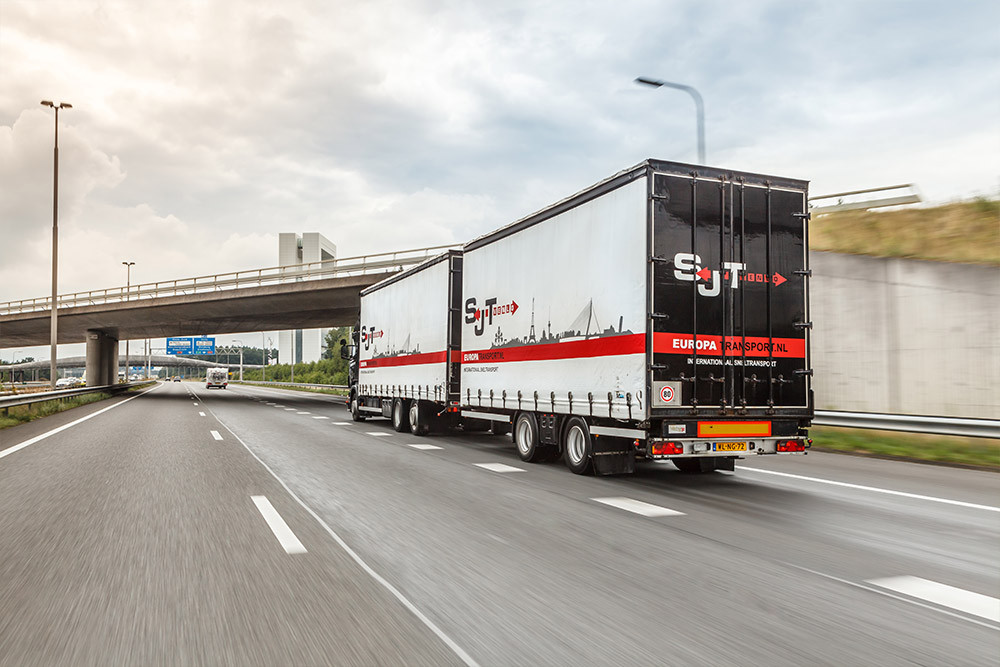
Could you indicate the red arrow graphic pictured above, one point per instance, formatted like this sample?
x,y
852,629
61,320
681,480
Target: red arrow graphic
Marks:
x,y
778,279
704,274
513,307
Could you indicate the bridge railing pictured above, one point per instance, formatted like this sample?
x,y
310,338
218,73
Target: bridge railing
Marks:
x,y
332,268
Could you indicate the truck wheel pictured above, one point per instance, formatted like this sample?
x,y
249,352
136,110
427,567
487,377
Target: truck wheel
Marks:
x,y
577,446
400,416
526,438
418,419
356,411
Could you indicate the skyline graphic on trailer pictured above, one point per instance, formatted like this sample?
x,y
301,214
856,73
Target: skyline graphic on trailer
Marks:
x,y
579,329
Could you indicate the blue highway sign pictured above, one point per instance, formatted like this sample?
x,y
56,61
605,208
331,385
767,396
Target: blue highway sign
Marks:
x,y
180,346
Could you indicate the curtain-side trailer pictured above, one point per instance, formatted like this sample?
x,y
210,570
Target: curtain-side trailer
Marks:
x,y
662,313
407,344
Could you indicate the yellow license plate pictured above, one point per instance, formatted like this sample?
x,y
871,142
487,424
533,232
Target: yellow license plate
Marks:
x,y
730,446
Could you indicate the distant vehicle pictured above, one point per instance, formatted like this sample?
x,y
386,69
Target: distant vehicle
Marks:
x,y
65,383
216,377
176,379
79,382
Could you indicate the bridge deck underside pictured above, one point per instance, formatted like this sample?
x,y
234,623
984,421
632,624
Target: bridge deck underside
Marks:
x,y
303,305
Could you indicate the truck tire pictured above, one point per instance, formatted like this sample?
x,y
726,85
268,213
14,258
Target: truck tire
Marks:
x,y
356,411
526,439
418,419
400,416
578,446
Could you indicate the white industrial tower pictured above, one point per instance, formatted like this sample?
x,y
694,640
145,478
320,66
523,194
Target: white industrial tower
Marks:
x,y
295,249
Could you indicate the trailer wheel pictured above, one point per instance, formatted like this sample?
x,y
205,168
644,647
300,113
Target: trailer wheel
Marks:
x,y
525,436
418,419
400,416
356,410
578,446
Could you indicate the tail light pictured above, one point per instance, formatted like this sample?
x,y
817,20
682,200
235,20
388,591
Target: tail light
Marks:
x,y
791,446
667,448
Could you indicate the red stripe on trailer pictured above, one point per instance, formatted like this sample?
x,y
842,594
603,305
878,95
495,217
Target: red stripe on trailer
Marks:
x,y
711,346
575,349
405,360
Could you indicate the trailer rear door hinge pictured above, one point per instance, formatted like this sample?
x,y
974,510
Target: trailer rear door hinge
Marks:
x,y
804,371
658,367
657,258
803,325
659,316
805,216
807,273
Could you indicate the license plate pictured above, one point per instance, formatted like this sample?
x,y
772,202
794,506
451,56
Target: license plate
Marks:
x,y
730,446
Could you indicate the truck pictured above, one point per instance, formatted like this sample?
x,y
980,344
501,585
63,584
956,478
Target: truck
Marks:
x,y
660,314
216,377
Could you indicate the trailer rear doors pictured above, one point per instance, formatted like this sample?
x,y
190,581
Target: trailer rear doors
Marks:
x,y
729,297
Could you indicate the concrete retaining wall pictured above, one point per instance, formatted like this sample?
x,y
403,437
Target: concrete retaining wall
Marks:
x,y
905,336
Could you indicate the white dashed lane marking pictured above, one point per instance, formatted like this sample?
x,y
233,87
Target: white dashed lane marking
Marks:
x,y
303,413
341,423
499,467
215,434
425,446
379,434
320,417
638,507
285,536
202,414
959,599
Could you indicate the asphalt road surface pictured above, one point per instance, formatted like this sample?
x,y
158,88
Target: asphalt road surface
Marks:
x,y
254,526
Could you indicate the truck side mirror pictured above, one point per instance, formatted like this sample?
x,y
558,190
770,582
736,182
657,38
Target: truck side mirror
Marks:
x,y
346,352
343,341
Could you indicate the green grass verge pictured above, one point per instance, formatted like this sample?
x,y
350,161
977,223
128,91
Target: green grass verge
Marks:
x,y
982,452
26,413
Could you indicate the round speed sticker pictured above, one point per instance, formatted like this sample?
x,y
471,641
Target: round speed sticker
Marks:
x,y
667,394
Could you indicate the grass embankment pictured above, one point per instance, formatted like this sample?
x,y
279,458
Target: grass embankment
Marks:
x,y
960,232
26,413
979,452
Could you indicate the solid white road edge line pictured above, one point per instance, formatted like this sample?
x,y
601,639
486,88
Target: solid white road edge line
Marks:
x,y
216,435
638,507
874,489
282,532
960,599
458,650
18,447
881,591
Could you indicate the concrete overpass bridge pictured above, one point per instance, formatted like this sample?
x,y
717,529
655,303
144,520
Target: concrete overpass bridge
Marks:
x,y
302,296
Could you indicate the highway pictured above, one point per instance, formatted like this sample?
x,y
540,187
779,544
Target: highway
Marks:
x,y
258,526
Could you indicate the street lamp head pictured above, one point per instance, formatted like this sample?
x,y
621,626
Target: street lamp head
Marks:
x,y
649,82
65,105
129,263
47,103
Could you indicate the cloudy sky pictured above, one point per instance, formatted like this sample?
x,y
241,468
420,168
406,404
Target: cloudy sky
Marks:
x,y
202,129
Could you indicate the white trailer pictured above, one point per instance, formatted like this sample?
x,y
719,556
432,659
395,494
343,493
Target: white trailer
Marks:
x,y
216,377
661,313
408,346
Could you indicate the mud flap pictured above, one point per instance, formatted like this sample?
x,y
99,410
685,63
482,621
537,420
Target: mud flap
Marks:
x,y
725,463
613,456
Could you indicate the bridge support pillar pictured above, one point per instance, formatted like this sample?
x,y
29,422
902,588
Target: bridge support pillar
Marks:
x,y
102,358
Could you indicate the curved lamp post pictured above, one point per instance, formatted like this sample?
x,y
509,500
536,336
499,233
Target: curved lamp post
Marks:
x,y
698,103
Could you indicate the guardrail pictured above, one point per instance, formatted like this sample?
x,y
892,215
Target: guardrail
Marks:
x,y
957,426
41,397
304,385
348,266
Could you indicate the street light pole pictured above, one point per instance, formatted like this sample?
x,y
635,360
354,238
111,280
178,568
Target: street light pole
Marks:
x,y
128,285
53,333
698,104
241,358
